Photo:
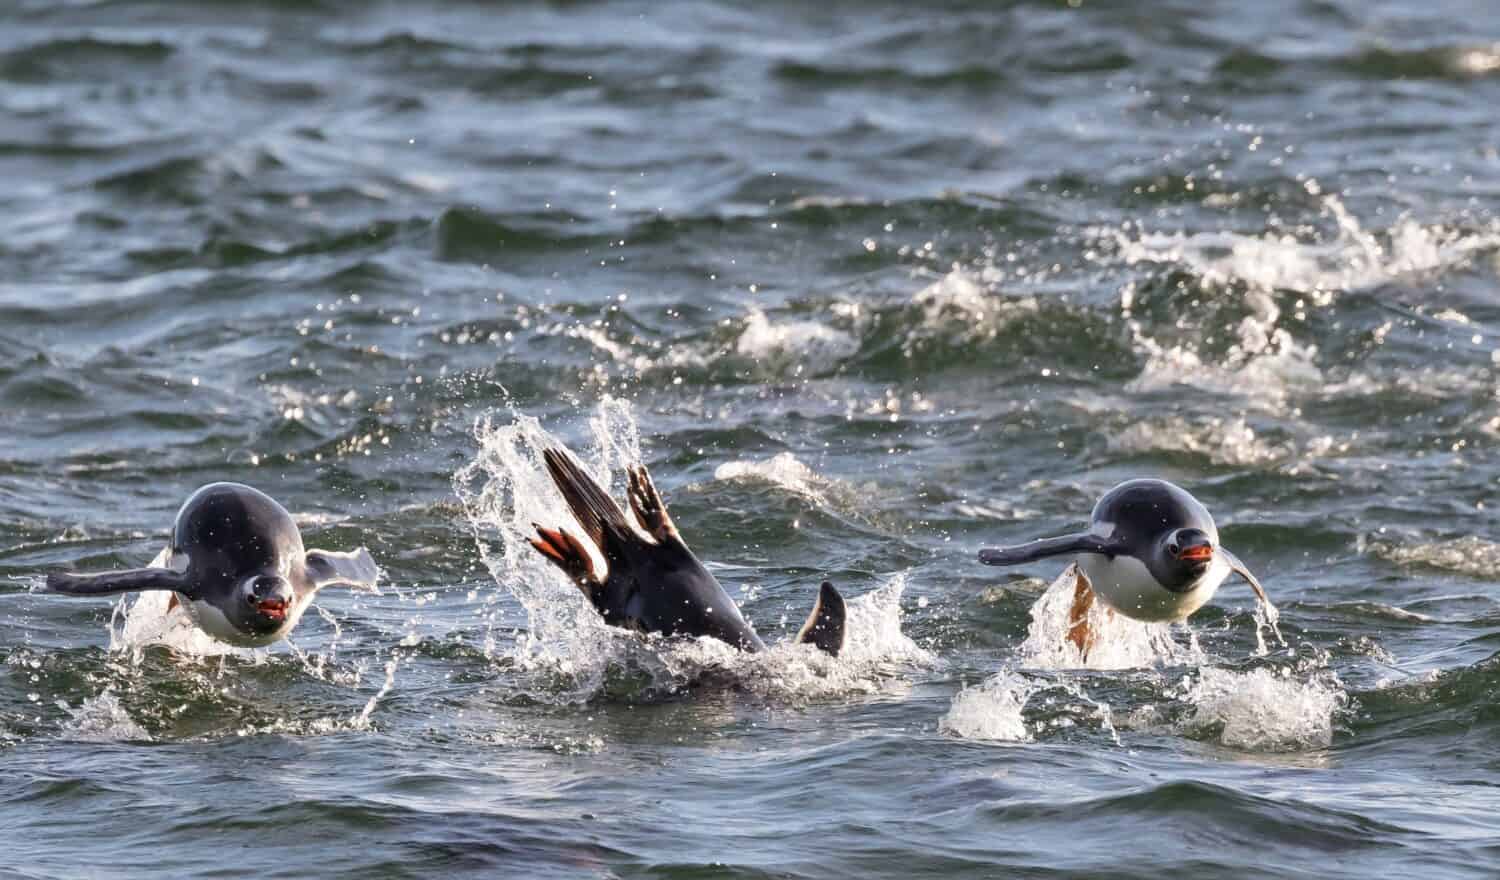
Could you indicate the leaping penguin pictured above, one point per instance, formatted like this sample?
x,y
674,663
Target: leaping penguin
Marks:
x,y
237,567
1151,553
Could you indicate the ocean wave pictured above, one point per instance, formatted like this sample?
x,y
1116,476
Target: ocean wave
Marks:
x,y
1470,555
1268,359
1353,259
785,471
1222,440
793,347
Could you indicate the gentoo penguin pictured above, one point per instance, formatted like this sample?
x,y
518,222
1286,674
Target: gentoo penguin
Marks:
x,y
236,565
1151,553
652,582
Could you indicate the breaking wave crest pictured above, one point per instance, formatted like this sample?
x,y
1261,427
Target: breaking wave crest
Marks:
x,y
1261,289
1470,555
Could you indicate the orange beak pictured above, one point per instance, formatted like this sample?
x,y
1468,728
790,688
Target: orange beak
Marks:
x,y
1200,553
273,608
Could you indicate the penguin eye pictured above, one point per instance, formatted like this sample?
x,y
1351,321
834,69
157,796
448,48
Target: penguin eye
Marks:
x,y
1173,548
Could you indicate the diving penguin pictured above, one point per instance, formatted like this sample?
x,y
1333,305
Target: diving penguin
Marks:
x,y
652,582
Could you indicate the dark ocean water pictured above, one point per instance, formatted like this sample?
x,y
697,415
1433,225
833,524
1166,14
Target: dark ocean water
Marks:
x,y
868,288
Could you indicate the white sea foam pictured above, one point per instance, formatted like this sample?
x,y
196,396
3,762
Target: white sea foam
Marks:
x,y
506,488
1228,441
796,346
1265,710
101,718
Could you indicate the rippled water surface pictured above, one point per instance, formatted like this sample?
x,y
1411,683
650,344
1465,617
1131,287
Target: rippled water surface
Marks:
x,y
867,288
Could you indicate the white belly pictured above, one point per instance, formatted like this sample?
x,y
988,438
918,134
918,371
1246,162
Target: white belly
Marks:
x,y
1126,585
212,621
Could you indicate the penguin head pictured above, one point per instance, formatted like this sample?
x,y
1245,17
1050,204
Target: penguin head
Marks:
x,y
264,603
1182,558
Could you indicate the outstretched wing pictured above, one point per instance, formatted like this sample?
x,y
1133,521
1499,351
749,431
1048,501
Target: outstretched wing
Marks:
x,y
111,583
1239,568
355,569
1065,545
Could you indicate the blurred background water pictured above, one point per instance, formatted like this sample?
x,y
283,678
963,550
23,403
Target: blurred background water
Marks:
x,y
867,287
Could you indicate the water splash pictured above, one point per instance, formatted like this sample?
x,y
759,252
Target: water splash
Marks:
x,y
101,718
506,488
362,720
1119,642
1264,710
876,653
1267,619
992,710
1011,707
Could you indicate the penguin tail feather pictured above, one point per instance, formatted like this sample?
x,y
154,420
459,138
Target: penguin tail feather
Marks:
x,y
569,554
824,629
601,518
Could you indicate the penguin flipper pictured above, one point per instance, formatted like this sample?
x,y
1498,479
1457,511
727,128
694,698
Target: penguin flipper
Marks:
x,y
355,569
1243,571
110,583
1034,550
825,625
